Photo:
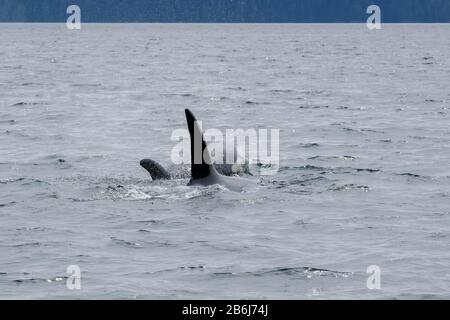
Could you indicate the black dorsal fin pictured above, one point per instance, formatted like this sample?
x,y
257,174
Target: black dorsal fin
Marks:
x,y
157,171
200,159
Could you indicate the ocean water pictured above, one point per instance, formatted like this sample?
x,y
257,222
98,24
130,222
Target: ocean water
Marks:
x,y
364,176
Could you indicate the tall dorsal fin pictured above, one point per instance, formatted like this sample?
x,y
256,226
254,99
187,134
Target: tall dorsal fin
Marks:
x,y
200,159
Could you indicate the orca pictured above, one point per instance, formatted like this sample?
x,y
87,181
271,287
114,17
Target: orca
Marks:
x,y
157,171
203,171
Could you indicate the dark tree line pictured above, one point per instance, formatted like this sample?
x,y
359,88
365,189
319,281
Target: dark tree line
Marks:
x,y
225,10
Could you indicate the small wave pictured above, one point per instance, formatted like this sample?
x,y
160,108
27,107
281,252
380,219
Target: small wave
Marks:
x,y
361,130
327,170
306,181
26,244
23,103
11,180
414,175
136,245
237,88
296,182
16,67
303,272
341,170
347,129
419,137
184,95
54,156
57,279
417,296
29,280
347,187
217,99
205,191
325,158
367,170
371,130
250,102
161,190
280,91
86,85
199,267
428,60
309,145
305,167
126,243
54,159
270,59
98,181
308,271
150,222
8,204
182,268
23,181
31,181
32,229
316,92
410,175
120,192
314,106
438,235
301,222
12,121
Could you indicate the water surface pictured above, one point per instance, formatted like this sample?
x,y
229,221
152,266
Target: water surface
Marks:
x,y
364,176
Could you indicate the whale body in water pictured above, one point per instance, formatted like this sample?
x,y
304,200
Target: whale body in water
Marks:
x,y
203,171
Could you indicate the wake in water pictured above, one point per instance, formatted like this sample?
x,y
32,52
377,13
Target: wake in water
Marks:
x,y
175,190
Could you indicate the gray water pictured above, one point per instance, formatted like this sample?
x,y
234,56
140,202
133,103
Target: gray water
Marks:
x,y
364,174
